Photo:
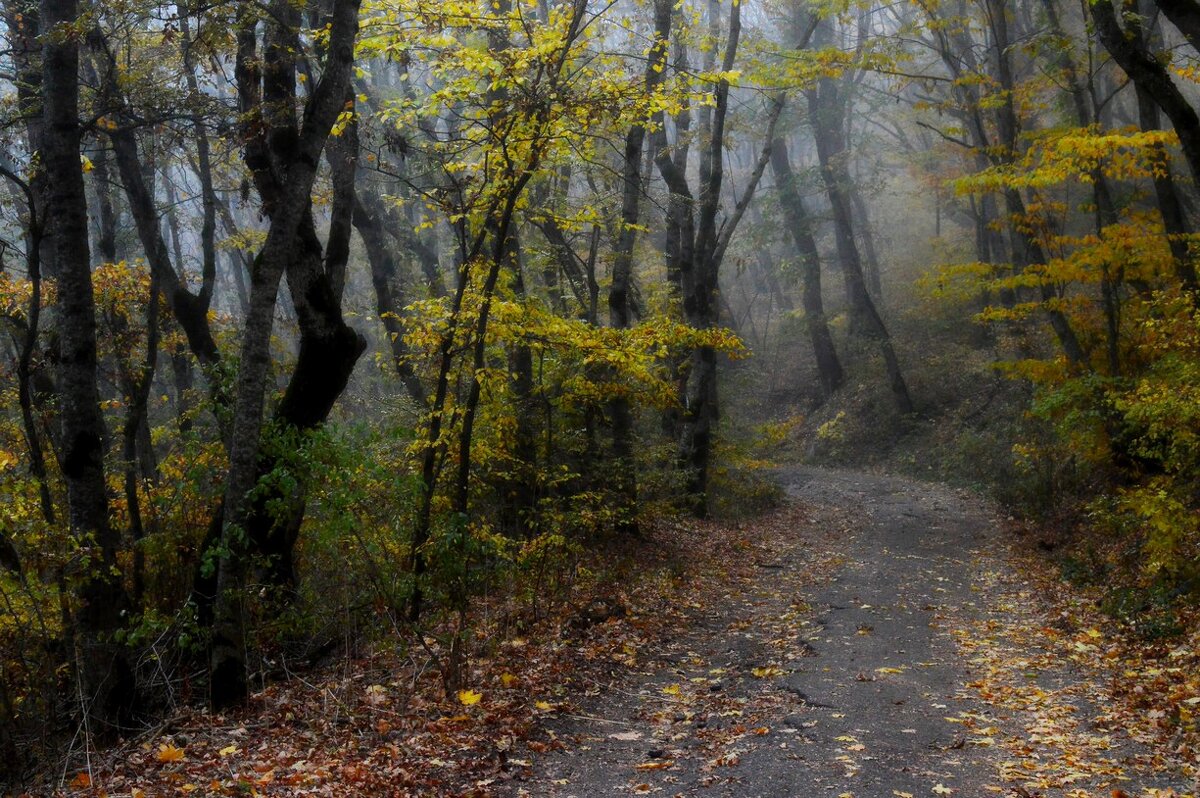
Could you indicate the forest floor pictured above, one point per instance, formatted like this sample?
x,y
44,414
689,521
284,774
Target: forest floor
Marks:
x,y
884,646
876,637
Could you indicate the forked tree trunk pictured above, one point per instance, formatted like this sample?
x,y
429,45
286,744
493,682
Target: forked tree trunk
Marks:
x,y
306,395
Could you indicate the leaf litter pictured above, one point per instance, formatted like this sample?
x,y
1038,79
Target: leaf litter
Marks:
x,y
1078,708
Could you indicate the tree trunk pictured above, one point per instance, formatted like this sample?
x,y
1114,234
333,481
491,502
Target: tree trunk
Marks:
x,y
871,258
1170,207
305,396
1026,250
825,111
829,367
99,600
1146,71
625,482
383,272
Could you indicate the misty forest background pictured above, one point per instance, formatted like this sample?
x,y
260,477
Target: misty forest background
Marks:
x,y
334,322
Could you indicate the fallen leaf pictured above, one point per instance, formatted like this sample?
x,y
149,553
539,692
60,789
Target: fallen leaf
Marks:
x,y
169,753
469,697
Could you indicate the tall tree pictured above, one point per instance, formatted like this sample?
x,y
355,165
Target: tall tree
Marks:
x,y
619,306
99,599
292,164
697,244
826,112
829,366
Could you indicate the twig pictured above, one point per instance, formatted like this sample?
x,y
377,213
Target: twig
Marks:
x,y
596,719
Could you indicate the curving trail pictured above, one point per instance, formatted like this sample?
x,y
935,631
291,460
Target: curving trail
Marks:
x,y
848,668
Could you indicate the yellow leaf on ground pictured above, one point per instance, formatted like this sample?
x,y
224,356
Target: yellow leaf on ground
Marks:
x,y
469,697
169,753
767,672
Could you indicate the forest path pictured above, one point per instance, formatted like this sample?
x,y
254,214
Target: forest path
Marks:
x,y
840,670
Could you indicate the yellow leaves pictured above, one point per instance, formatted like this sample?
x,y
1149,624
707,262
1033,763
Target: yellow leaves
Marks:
x,y
766,672
544,706
508,680
343,121
889,670
1066,154
168,752
228,751
672,689
469,698
942,789
7,460
86,164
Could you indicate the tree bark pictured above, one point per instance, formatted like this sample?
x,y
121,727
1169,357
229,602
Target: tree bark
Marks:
x,y
825,112
829,367
289,207
383,268
1170,206
99,600
1184,15
620,316
1152,76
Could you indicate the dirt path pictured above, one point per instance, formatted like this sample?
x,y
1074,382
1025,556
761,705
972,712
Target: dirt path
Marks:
x,y
855,680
